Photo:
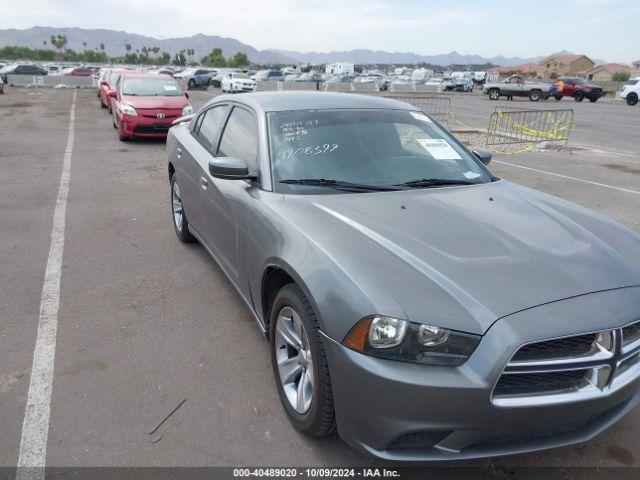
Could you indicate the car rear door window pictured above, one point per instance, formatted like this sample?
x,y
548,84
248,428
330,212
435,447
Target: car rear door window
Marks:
x,y
240,138
209,126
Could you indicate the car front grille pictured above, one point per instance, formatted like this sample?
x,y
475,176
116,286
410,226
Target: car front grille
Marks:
x,y
558,348
543,382
571,368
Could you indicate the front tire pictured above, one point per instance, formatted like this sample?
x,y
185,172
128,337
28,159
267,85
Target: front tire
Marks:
x,y
494,94
180,222
558,97
593,100
534,95
578,96
300,364
632,99
191,84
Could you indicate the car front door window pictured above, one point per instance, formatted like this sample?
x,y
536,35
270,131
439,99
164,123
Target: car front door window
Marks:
x,y
239,139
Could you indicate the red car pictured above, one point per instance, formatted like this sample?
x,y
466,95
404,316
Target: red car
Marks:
x,y
107,83
77,72
145,105
579,89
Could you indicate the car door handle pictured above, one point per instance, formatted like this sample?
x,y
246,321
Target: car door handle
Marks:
x,y
179,150
204,183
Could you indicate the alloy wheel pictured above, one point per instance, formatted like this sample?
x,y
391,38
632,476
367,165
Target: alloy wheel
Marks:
x,y
176,202
294,360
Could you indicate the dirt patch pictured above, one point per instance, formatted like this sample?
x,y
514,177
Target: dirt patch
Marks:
x,y
79,367
623,168
16,105
621,455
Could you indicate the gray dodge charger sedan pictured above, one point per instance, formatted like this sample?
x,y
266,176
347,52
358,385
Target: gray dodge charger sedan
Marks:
x,y
418,304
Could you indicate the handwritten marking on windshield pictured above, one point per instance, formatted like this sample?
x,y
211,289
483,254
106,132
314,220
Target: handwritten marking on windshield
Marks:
x,y
289,152
292,131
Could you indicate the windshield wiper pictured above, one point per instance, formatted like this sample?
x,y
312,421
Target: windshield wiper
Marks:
x,y
339,184
434,182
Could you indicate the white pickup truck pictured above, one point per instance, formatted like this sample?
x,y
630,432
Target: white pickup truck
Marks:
x,y
516,86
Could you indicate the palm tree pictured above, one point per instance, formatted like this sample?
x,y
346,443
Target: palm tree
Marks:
x,y
102,47
84,44
44,42
127,47
155,51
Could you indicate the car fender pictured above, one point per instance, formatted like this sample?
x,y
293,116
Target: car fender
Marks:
x,y
273,241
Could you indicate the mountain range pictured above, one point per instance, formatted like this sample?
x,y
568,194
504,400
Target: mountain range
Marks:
x,y
115,41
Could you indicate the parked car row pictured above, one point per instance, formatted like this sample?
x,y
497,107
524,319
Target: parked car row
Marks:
x,y
142,104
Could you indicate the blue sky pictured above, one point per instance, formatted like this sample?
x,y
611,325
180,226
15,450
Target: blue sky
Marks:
x,y
606,29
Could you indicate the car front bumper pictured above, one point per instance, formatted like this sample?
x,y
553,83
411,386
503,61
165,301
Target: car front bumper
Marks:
x,y
416,413
140,126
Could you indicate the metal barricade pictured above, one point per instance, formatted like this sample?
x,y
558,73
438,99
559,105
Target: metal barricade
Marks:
x,y
438,106
509,125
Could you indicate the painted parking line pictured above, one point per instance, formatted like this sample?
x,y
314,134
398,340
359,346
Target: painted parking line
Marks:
x,y
626,190
35,428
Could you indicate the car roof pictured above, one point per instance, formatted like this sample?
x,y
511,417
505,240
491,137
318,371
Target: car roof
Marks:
x,y
284,101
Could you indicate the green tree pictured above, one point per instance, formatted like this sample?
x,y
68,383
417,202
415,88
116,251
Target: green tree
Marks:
x,y
214,59
59,42
165,58
238,60
179,58
620,76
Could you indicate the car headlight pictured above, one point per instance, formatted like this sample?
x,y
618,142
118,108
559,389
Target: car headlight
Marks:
x,y
188,110
128,110
396,339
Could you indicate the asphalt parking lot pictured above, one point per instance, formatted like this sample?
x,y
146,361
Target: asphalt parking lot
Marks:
x,y
145,321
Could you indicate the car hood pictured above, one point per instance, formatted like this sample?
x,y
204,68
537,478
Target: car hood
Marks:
x,y
156,102
462,257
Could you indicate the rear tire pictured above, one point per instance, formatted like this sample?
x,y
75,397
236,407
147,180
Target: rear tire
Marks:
x,y
578,96
593,100
535,95
191,84
632,99
558,97
319,418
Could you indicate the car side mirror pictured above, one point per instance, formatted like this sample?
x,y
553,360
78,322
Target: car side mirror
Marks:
x,y
113,94
229,168
484,156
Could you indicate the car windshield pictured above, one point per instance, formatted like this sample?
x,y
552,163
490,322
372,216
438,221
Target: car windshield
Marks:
x,y
633,81
151,87
313,151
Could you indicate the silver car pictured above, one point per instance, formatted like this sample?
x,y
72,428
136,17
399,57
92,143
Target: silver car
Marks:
x,y
413,300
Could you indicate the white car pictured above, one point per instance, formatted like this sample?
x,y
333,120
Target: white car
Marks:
x,y
631,91
238,82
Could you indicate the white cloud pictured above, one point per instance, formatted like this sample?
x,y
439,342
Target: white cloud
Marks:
x,y
375,7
